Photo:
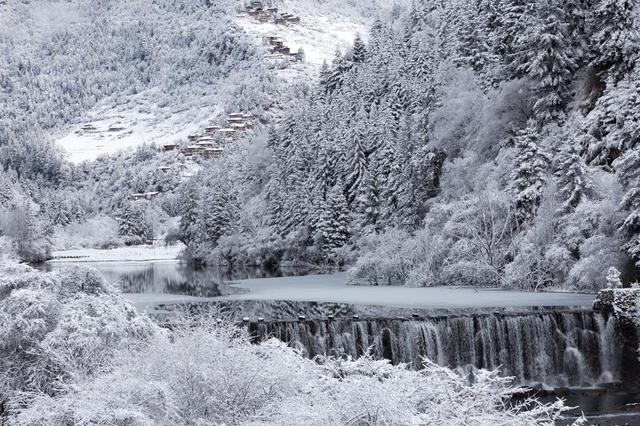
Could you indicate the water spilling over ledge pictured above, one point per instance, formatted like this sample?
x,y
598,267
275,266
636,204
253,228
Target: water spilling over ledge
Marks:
x,y
555,348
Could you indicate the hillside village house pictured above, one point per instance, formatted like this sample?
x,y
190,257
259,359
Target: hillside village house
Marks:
x,y
191,150
288,17
205,144
88,128
170,147
227,132
116,127
283,50
273,40
214,152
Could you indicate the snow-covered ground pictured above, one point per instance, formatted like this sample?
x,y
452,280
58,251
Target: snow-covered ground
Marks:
x,y
319,36
128,125
334,289
120,254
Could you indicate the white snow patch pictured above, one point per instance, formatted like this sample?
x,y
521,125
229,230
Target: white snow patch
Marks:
x,y
120,254
137,122
319,36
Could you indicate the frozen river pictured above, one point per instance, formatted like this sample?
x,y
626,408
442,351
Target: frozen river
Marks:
x,y
334,288
150,283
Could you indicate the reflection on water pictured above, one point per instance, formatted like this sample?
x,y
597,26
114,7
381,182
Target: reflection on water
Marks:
x,y
172,277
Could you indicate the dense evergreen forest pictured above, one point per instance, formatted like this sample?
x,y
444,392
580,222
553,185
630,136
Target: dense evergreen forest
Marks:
x,y
472,142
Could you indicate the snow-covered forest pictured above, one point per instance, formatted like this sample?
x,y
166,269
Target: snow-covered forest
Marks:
x,y
487,143
471,143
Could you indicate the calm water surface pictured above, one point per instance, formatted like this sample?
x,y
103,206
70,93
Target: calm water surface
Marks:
x,y
178,278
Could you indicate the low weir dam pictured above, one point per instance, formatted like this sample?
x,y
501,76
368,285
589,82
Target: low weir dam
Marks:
x,y
554,348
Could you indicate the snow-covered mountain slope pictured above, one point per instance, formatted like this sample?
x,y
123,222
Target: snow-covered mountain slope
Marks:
x,y
175,92
109,128
319,37
324,27
158,68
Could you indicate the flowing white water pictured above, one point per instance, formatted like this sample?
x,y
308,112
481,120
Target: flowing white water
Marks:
x,y
557,349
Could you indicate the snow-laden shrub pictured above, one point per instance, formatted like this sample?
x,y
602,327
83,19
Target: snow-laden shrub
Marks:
x,y
396,257
385,259
598,254
470,274
56,328
97,232
208,372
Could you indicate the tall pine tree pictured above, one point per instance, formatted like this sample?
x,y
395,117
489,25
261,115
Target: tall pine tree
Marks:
x,y
531,166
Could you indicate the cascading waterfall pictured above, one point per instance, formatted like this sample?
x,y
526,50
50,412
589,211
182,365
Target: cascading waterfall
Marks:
x,y
568,348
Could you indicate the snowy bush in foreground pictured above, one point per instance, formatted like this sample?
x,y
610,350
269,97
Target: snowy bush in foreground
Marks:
x,y
208,372
58,328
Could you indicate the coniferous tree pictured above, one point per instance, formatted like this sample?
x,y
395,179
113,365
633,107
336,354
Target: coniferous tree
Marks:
x,y
475,48
628,170
543,54
339,227
331,220
612,124
573,180
576,14
388,171
276,208
190,225
358,164
218,213
359,52
531,166
404,176
512,22
325,75
624,133
339,68
367,203
614,42
133,225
